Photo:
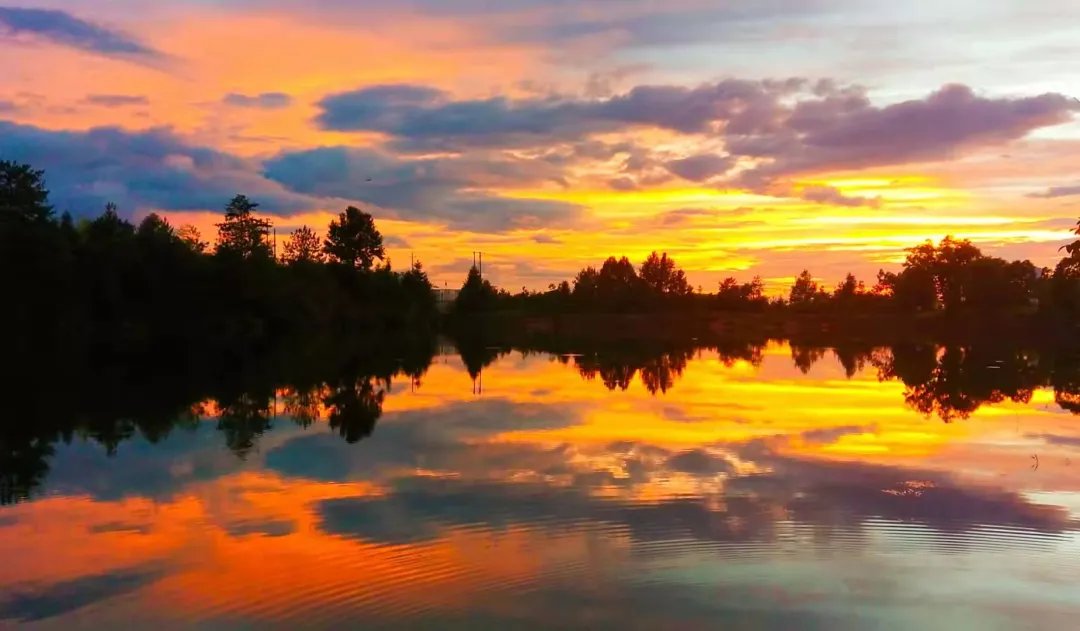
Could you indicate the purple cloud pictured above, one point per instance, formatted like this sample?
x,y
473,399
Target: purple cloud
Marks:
x,y
116,100
822,194
1058,191
784,128
847,132
65,29
701,167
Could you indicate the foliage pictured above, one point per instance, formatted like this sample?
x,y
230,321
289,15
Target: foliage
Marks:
x,y
660,274
731,295
806,291
303,248
353,240
477,294
23,196
242,234
106,288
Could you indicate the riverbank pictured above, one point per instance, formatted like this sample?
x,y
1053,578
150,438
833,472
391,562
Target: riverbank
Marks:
x,y
514,328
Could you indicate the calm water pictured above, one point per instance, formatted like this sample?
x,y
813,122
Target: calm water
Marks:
x,y
760,487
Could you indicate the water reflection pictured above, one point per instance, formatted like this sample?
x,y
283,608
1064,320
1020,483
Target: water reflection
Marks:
x,y
760,483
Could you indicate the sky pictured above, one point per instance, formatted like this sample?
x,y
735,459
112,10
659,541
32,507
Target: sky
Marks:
x,y
744,138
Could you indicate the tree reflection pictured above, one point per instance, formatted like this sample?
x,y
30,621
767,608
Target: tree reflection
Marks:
x,y
242,419
953,382
354,408
348,389
806,356
111,406
23,466
660,367
302,406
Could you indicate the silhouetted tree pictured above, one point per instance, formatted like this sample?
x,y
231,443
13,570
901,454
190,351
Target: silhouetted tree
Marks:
x,y
242,234
805,291
477,294
23,196
192,238
663,276
353,240
848,288
735,296
303,247
1065,284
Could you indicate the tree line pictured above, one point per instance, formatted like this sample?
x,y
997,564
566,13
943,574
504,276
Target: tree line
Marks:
x,y
951,276
105,287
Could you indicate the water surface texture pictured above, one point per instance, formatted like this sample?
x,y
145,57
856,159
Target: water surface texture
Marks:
x,y
761,487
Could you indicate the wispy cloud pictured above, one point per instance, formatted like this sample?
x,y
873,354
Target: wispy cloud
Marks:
x,y
60,27
1058,191
266,100
116,100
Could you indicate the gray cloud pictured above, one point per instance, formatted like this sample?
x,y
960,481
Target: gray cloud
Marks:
x,y
846,131
65,29
1056,439
160,170
701,167
832,434
152,168
823,194
431,188
423,116
266,100
782,129
699,462
1058,191
545,239
116,100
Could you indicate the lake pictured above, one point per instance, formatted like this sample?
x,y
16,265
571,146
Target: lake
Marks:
x,y
740,486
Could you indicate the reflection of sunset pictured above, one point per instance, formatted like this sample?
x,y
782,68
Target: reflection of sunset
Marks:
x,y
310,529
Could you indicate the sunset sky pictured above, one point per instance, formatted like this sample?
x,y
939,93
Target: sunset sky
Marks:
x,y
758,137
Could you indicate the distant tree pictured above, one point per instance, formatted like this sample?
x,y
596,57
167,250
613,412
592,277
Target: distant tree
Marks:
x,y
418,289
477,294
242,234
353,240
733,295
192,238
663,276
109,229
618,285
154,228
23,195
805,290
586,286
948,265
914,289
849,288
997,283
303,247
